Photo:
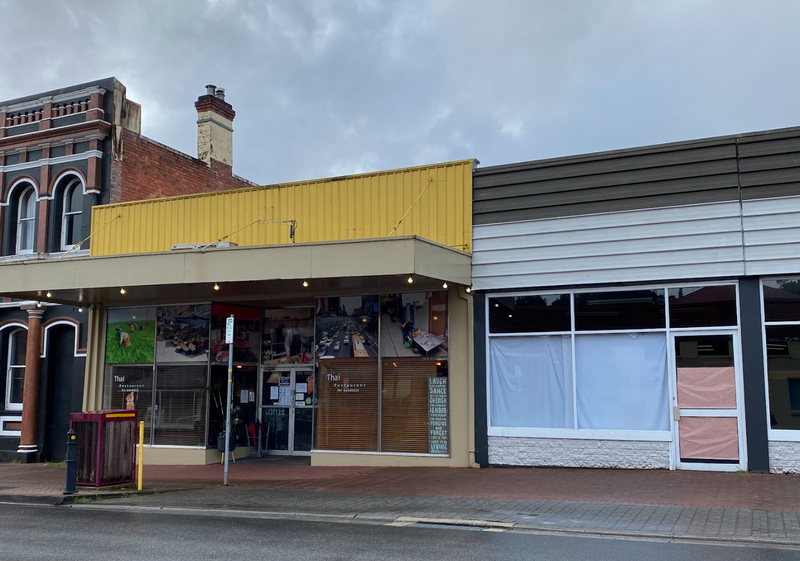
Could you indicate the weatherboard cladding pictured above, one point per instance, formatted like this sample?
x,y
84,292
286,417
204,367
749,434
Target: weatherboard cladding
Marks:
x,y
657,213
700,171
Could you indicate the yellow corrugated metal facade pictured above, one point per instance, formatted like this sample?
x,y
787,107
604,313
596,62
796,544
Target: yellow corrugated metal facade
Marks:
x,y
436,201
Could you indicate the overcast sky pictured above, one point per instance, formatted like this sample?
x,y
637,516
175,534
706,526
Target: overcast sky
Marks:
x,y
333,87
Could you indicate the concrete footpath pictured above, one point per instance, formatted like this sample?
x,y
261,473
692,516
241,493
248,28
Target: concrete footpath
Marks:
x,y
731,507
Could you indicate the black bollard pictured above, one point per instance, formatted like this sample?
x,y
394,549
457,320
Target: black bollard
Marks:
x,y
70,488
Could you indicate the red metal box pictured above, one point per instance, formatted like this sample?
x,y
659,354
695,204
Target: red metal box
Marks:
x,y
105,446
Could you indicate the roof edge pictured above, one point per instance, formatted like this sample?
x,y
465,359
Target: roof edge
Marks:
x,y
635,150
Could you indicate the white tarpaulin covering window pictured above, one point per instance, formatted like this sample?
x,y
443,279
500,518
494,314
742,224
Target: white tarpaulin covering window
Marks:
x,y
622,381
531,382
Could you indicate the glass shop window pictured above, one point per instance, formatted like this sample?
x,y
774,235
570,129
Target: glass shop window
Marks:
x,y
347,414
783,376
782,300
531,382
414,406
702,306
131,388
538,313
620,310
179,412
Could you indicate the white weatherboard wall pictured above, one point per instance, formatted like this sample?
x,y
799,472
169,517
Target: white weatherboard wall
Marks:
x,y
772,235
654,244
692,241
567,452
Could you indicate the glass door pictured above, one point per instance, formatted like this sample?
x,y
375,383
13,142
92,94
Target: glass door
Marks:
x,y
303,409
287,411
708,431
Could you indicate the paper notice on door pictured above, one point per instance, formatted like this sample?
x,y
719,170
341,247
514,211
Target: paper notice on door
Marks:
x,y
245,396
707,388
273,393
301,387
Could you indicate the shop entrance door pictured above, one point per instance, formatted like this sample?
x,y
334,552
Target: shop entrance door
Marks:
x,y
708,425
287,410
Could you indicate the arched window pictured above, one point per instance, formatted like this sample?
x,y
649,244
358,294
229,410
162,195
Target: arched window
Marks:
x,y
26,221
71,209
15,373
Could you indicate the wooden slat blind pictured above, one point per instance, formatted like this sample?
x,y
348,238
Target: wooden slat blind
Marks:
x,y
179,417
347,414
404,405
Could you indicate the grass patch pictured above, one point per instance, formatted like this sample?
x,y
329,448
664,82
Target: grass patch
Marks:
x,y
85,498
62,463
141,349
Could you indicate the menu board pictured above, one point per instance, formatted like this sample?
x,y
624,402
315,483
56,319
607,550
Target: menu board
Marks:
x,y
437,416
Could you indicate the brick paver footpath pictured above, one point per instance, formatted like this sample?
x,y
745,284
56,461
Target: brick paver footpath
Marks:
x,y
717,506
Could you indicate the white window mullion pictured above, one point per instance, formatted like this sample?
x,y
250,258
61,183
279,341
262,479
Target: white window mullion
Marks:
x,y
15,373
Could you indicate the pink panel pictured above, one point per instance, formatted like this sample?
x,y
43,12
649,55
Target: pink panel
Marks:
x,y
709,438
707,388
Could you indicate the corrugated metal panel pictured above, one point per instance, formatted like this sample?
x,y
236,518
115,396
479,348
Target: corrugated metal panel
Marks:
x,y
650,177
770,165
772,235
644,245
763,164
345,208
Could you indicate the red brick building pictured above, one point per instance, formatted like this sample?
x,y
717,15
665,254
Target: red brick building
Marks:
x,y
61,153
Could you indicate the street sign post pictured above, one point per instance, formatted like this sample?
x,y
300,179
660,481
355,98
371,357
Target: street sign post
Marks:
x,y
229,330
229,340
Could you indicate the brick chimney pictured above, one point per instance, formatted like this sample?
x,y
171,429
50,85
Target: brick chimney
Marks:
x,y
214,127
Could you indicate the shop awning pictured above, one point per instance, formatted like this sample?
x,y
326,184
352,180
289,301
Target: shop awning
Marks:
x,y
243,273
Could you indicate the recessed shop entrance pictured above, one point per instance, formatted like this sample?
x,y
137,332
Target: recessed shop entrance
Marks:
x,y
287,410
708,431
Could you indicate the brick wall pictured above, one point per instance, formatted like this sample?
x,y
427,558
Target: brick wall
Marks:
x,y
568,452
149,170
784,457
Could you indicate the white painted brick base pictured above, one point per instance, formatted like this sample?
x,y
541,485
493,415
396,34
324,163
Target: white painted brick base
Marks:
x,y
567,452
784,457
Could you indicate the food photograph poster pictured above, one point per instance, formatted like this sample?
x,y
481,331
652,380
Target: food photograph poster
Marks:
x,y
182,334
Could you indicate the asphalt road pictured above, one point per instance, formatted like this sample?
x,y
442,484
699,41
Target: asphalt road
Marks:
x,y
64,533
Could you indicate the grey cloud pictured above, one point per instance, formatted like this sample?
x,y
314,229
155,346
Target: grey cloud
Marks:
x,y
333,87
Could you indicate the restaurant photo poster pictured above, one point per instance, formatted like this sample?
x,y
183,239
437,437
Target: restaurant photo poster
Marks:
x,y
182,334
288,336
414,324
347,327
246,332
131,336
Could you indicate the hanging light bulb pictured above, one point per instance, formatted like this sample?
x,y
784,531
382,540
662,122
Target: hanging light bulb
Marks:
x,y
216,286
80,310
305,284
122,290
444,284
469,289
48,294
410,279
